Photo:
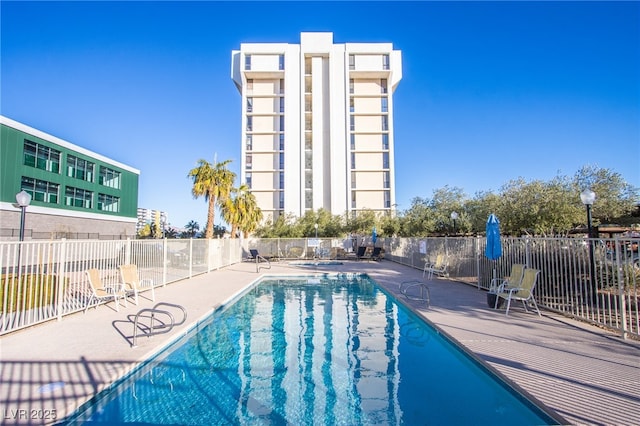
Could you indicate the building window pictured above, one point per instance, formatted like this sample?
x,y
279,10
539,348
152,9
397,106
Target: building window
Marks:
x,y
353,200
109,177
281,104
385,141
308,179
79,168
108,203
387,200
307,123
281,199
351,105
282,86
383,85
385,123
384,104
250,85
247,62
385,160
281,62
307,65
308,142
308,200
281,180
353,141
386,180
249,124
41,157
249,104
385,62
249,162
308,160
353,160
352,62
249,142
352,123
282,123
40,190
353,180
281,142
77,197
281,160
249,178
351,86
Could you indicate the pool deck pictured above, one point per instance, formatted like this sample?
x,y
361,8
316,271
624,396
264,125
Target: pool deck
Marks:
x,y
586,375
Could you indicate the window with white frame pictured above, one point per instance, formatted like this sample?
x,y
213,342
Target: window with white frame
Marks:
x,y
40,190
41,157
108,203
109,177
79,168
78,197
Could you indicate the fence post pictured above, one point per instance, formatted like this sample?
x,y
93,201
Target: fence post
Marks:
x,y
127,252
478,256
190,257
165,255
621,284
62,262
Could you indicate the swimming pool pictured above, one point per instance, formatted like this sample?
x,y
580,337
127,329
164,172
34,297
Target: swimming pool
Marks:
x,y
325,349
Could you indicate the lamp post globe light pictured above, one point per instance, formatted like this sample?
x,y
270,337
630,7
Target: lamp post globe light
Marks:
x,y
454,216
23,198
588,197
316,226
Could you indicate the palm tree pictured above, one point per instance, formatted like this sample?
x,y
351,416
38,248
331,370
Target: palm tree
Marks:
x,y
192,227
214,181
241,211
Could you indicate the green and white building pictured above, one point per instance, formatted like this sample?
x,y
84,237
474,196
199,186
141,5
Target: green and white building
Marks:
x,y
75,193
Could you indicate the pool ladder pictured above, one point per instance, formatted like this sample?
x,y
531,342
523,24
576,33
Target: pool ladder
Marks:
x,y
423,296
264,259
163,327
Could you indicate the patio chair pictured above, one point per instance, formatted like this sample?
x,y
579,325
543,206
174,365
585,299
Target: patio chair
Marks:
x,y
376,253
101,292
361,251
133,284
513,280
523,293
439,267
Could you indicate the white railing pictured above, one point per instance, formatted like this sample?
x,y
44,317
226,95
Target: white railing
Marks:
x,y
610,296
44,280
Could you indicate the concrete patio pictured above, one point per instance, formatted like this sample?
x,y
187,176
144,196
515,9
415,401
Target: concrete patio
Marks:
x,y
583,373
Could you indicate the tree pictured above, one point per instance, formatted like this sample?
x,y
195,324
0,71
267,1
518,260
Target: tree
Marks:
x,y
192,228
214,182
241,211
614,196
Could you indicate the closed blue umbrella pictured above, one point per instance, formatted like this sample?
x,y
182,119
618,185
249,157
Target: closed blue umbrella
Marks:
x,y
374,235
494,246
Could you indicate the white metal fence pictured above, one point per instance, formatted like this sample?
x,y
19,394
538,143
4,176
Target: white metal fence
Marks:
x,y
44,280
608,297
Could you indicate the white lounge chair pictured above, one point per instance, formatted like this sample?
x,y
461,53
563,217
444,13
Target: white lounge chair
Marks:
x,y
439,267
513,280
132,282
523,293
101,292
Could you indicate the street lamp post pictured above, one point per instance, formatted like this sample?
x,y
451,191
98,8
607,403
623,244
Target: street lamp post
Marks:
x,y
316,226
24,199
588,197
454,216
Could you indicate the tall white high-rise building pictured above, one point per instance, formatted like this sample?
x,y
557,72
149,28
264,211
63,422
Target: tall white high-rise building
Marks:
x,y
317,124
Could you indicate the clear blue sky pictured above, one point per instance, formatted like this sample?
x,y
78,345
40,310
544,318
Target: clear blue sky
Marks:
x,y
491,91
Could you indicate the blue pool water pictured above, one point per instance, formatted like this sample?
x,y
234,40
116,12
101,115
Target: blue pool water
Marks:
x,y
331,350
